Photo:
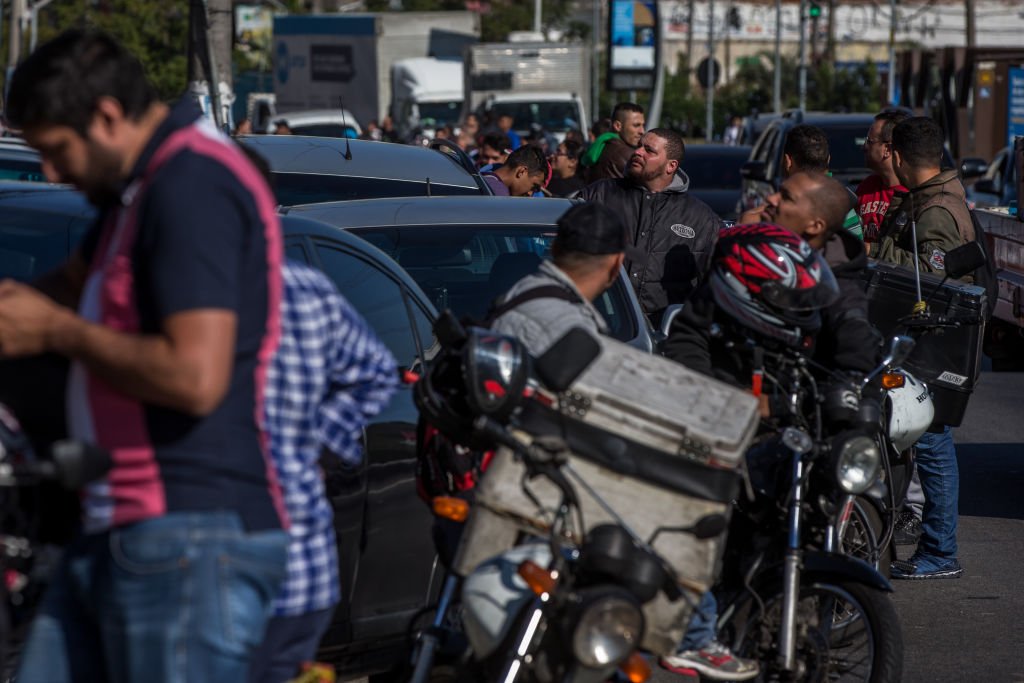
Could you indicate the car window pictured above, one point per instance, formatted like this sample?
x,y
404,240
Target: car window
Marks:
x,y
325,130
771,152
18,169
376,296
765,144
295,252
32,243
552,116
465,268
293,189
846,147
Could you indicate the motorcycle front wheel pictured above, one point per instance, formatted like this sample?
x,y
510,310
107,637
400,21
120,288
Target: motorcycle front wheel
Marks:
x,y
846,632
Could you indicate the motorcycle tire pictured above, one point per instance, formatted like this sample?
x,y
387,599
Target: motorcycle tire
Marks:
x,y
863,627
863,536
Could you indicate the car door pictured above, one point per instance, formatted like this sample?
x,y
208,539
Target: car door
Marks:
x,y
389,561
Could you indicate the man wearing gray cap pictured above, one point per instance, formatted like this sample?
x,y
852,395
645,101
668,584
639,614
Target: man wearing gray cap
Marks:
x,y
586,258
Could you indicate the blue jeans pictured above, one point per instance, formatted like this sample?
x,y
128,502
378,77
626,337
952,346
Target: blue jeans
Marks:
x,y
288,643
180,598
940,481
701,630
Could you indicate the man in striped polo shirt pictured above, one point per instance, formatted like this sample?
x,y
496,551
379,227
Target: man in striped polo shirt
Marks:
x,y
169,313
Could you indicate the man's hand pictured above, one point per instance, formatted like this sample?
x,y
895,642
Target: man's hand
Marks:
x,y
749,216
29,320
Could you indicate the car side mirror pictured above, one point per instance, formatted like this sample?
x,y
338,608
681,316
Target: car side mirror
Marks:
x,y
986,185
667,318
753,170
964,260
973,167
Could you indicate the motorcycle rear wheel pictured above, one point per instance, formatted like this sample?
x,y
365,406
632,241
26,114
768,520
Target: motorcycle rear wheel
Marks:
x,y
846,632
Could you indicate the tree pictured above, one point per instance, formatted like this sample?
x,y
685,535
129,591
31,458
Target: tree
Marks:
x,y
154,30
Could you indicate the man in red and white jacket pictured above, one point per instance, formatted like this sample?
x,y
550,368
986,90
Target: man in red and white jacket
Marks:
x,y
875,192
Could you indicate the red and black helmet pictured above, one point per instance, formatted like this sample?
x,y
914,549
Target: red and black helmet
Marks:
x,y
771,281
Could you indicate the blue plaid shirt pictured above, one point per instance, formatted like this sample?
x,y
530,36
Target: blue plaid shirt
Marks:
x,y
330,375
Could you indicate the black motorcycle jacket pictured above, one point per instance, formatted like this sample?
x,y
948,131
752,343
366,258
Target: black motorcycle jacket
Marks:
x,y
847,342
677,232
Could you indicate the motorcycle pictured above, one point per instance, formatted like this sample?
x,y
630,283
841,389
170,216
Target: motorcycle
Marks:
x,y
71,465
568,601
789,594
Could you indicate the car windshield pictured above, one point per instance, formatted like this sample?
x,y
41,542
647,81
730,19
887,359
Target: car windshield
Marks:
x,y
555,117
846,146
437,114
293,189
465,268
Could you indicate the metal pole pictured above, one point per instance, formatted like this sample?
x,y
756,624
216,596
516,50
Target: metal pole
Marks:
x,y
34,18
891,93
689,37
803,55
14,43
709,124
777,79
654,108
595,66
536,15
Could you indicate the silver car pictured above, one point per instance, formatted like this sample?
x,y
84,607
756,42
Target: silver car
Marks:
x,y
464,252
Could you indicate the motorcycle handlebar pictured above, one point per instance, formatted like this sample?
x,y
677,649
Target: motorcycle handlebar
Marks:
x,y
72,464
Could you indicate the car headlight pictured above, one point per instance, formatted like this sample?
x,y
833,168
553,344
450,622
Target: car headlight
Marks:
x,y
856,461
609,628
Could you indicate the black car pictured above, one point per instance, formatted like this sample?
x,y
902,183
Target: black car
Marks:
x,y
385,548
846,133
714,172
307,170
18,161
762,173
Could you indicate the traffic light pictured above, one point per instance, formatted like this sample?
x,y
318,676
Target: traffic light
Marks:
x,y
814,12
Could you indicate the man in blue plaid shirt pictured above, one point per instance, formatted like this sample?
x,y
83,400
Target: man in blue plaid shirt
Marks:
x,y
330,375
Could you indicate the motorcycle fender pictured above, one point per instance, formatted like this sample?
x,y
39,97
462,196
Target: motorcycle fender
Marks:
x,y
817,562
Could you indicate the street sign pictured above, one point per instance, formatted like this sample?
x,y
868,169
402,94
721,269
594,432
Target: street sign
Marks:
x,y
709,72
1015,119
633,37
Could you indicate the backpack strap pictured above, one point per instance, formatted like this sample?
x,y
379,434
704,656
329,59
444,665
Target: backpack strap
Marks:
x,y
542,292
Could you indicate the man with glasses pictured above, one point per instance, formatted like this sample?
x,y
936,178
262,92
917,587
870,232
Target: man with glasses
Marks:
x,y
874,194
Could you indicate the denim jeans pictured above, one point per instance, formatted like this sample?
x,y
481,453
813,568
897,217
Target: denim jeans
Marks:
x,y
179,598
701,630
940,480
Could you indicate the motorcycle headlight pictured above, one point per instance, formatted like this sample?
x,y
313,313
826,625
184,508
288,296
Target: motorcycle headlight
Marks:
x,y
856,461
608,630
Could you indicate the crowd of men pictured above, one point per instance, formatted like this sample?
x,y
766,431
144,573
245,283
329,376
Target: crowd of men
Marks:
x,y
216,373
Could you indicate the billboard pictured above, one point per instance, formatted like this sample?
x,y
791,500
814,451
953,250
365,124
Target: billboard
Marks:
x,y
633,37
1015,118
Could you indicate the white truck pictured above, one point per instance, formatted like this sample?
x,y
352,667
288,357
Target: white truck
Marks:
x,y
426,93
542,83
344,60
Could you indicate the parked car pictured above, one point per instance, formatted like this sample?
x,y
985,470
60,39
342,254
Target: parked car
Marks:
x,y
466,251
385,547
997,185
714,172
306,170
18,161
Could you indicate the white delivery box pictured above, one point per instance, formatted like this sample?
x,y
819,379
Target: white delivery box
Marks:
x,y
660,443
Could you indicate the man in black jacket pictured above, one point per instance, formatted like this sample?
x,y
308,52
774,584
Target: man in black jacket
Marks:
x,y
676,230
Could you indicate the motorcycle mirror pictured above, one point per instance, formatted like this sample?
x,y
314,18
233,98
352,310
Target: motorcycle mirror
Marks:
x,y
899,350
448,330
77,464
964,260
797,440
710,526
567,358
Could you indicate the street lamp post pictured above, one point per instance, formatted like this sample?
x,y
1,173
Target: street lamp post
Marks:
x,y
709,127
